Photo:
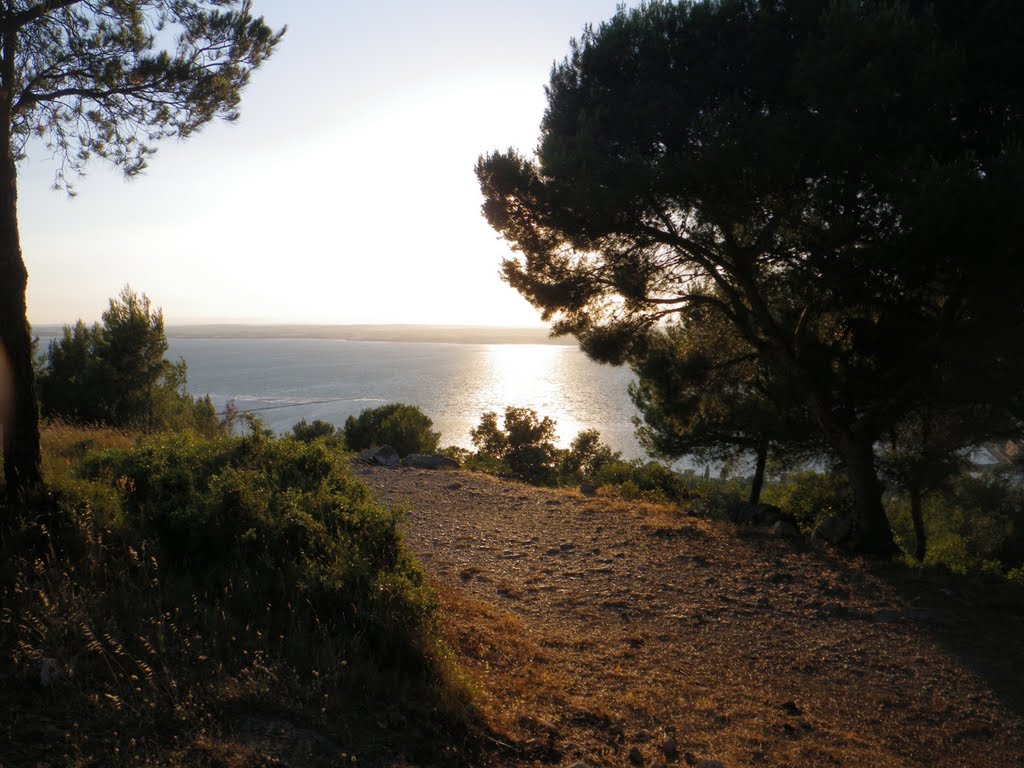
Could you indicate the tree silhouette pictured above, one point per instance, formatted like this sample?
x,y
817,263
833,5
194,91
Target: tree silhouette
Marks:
x,y
702,391
845,175
92,78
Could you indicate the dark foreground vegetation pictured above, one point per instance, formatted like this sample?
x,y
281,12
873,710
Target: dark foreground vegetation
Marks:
x,y
163,582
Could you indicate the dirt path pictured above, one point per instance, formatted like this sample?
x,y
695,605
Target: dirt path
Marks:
x,y
602,632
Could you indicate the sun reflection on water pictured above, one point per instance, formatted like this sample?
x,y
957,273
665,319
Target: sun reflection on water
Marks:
x,y
531,374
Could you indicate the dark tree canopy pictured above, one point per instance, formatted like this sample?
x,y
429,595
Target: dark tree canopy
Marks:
x,y
847,176
101,79
703,392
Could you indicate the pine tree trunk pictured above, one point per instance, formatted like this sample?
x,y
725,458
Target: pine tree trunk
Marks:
x,y
917,516
759,467
18,408
874,531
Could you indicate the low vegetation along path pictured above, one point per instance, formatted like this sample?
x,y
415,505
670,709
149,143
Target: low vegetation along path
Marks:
x,y
604,632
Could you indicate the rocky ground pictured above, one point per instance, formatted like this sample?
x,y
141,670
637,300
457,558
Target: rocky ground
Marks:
x,y
601,632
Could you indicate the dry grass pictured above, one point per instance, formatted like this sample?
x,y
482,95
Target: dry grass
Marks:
x,y
63,443
595,626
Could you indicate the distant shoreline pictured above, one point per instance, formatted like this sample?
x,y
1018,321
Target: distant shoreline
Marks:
x,y
451,334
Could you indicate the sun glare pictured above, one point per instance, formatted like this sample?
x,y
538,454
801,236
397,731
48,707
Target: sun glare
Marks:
x,y
531,373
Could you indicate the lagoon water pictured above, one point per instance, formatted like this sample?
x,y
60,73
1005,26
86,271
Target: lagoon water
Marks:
x,y
289,379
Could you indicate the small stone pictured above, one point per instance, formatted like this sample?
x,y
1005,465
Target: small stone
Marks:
x,y
791,708
886,616
588,489
745,513
836,610
636,757
384,455
840,593
669,748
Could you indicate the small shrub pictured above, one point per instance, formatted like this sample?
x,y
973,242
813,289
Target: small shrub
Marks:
x,y
523,444
404,427
810,496
305,432
1016,576
585,459
643,481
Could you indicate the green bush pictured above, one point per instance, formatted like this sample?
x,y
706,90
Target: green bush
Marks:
x,y
404,427
305,432
810,496
523,445
643,481
974,526
586,457
281,542
171,577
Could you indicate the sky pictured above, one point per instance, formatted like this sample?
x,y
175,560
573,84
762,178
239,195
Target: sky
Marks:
x,y
344,194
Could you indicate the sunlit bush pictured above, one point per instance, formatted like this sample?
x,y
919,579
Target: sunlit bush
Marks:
x,y
404,427
523,444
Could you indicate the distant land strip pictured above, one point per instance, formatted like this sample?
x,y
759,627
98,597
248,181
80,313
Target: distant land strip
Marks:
x,y
452,334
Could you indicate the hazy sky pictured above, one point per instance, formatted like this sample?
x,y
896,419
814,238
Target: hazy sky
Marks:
x,y
345,194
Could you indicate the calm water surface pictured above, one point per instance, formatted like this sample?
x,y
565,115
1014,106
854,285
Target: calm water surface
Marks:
x,y
330,379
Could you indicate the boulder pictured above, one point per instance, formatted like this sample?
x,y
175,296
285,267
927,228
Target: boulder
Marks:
x,y
745,513
833,531
384,456
588,488
419,461
785,528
